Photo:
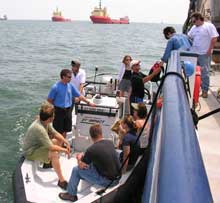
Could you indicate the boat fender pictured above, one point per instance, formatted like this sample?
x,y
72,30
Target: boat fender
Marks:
x,y
189,68
197,85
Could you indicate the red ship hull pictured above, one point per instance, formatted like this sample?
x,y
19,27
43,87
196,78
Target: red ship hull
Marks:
x,y
60,19
108,20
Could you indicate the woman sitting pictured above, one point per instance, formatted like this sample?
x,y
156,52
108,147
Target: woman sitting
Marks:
x,y
129,146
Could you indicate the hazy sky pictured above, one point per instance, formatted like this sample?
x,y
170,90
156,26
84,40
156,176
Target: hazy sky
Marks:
x,y
167,11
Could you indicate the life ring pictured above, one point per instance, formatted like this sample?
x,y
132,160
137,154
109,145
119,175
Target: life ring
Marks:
x,y
197,85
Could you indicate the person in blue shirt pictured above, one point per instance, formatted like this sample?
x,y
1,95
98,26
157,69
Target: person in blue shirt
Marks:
x,y
175,42
129,146
61,95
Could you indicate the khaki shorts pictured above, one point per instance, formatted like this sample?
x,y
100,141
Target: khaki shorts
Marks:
x,y
41,154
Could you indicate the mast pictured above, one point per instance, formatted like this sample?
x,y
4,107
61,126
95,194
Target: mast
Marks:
x,y
100,4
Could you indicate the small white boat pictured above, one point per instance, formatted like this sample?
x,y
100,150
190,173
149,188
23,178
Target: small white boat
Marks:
x,y
171,168
33,183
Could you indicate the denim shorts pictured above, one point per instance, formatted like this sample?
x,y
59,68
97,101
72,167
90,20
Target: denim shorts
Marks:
x,y
125,85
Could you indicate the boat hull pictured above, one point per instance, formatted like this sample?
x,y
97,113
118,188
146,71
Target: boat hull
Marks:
x,y
59,19
108,20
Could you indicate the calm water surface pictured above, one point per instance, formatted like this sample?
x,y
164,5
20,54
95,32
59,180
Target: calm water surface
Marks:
x,y
32,54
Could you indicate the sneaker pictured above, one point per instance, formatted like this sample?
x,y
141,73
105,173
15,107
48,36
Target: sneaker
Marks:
x,y
67,196
204,94
63,184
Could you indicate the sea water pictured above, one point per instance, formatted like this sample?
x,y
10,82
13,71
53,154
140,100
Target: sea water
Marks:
x,y
32,53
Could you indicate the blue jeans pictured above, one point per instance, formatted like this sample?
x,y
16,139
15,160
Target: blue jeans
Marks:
x,y
90,175
134,99
204,61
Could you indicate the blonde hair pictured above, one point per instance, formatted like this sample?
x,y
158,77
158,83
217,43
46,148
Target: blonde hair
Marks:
x,y
46,111
129,121
125,57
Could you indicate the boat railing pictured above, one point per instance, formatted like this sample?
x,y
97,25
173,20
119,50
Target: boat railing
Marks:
x,y
176,171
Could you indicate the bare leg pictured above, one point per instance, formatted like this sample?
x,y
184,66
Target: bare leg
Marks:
x,y
129,95
121,94
54,157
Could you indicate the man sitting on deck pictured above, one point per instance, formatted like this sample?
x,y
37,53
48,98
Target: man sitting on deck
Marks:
x,y
100,164
42,142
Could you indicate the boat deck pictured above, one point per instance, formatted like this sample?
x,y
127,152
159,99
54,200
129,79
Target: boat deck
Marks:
x,y
209,136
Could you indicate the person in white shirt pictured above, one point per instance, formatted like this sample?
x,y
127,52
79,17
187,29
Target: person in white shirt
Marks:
x,y
204,36
78,76
124,76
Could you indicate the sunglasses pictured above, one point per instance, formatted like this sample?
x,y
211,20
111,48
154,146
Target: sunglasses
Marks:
x,y
69,76
194,21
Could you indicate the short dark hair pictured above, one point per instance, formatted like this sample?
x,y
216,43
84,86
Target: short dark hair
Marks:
x,y
197,16
142,110
168,30
46,111
75,63
64,72
95,130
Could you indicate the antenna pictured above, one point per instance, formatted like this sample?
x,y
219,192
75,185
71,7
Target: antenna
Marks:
x,y
96,69
100,4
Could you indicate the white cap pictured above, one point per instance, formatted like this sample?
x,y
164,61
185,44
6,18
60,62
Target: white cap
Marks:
x,y
134,62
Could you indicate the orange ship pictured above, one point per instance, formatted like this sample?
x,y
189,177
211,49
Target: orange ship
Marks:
x,y
99,15
57,17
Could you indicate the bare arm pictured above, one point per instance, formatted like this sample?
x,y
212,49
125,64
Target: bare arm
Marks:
x,y
82,98
59,137
81,164
126,151
149,77
81,88
211,46
57,148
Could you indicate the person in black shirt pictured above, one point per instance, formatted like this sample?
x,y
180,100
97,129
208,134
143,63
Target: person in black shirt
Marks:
x,y
99,165
138,79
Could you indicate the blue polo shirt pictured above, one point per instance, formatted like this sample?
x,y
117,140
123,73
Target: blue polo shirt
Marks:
x,y
177,41
63,94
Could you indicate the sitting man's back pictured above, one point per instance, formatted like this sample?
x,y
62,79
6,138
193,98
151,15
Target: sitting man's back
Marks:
x,y
100,164
103,156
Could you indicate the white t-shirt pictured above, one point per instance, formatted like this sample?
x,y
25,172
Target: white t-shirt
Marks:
x,y
80,78
201,36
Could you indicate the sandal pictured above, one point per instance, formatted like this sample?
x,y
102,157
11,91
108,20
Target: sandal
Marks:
x,y
67,196
63,184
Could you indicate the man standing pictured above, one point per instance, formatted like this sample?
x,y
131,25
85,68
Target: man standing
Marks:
x,y
78,77
204,36
100,164
42,142
175,42
138,79
61,96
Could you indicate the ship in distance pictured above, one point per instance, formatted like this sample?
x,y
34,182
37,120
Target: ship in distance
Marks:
x,y
99,15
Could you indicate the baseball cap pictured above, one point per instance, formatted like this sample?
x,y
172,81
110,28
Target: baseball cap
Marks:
x,y
134,62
